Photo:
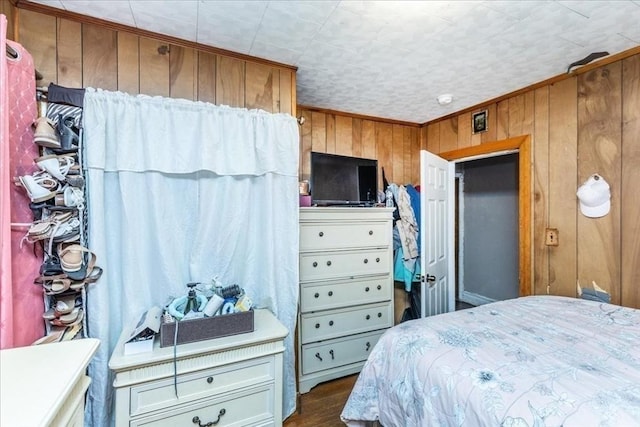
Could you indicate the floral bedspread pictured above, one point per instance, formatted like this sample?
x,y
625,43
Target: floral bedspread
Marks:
x,y
531,361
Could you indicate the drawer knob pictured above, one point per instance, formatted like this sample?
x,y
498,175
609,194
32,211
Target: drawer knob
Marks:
x,y
368,317
316,295
315,264
330,293
317,325
210,380
329,263
370,232
379,314
196,419
318,356
321,234
379,287
377,259
366,289
368,346
366,260
330,322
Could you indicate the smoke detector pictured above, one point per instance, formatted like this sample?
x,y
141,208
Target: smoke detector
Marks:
x,y
445,99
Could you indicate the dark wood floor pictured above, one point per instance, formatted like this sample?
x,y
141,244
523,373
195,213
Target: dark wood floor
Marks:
x,y
323,404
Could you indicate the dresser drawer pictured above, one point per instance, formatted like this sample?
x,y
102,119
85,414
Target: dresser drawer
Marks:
x,y
252,407
336,323
344,293
338,352
160,394
322,236
331,265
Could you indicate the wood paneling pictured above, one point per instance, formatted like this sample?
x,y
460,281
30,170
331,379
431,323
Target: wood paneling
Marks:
x,y
286,88
262,83
344,135
492,125
449,134
76,52
541,191
630,188
563,149
183,73
154,67
207,77
369,139
37,34
7,9
99,57
433,138
576,130
599,151
69,45
230,81
356,137
397,154
128,63
502,120
305,145
395,146
384,150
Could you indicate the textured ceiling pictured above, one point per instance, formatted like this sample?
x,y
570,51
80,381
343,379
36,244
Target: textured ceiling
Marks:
x,y
391,59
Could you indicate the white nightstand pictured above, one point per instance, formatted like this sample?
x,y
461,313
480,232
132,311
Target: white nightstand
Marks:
x,y
236,380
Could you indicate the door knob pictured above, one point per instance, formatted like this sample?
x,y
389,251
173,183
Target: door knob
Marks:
x,y
430,278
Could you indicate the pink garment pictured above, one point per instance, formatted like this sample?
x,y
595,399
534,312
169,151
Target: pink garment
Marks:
x,y
21,302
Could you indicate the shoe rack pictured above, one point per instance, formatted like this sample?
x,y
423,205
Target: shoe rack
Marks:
x,y
57,190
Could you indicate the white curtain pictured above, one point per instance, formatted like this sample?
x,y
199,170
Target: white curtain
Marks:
x,y
183,191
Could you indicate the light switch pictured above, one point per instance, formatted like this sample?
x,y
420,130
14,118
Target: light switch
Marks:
x,y
551,237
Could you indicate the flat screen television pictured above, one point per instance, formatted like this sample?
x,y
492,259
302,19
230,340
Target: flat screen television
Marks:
x,y
343,180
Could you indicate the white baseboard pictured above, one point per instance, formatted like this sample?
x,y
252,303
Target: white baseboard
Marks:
x,y
474,299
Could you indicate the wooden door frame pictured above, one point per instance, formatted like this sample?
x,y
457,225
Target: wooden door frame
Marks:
x,y
522,145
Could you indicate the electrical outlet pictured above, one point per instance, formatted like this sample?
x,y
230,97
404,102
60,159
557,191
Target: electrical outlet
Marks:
x,y
551,237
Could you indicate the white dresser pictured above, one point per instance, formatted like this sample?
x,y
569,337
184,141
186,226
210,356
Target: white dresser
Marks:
x,y
346,289
228,381
45,385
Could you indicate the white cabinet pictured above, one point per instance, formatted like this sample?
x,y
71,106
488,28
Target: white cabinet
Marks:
x,y
346,289
45,385
234,380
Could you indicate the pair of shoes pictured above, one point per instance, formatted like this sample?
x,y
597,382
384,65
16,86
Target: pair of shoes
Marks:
x,y
63,304
78,263
58,166
60,226
71,197
62,138
74,317
40,186
54,284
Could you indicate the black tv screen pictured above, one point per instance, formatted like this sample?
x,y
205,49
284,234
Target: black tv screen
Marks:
x,y
343,180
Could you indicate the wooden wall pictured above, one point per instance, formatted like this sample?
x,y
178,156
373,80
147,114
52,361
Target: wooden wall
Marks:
x,y
396,146
76,53
588,123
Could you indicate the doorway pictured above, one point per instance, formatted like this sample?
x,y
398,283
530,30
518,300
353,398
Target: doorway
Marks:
x,y
522,146
486,218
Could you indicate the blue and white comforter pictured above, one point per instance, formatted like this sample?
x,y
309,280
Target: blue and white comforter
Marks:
x,y
532,361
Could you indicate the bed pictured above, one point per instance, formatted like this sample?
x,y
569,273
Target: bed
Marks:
x,y
531,361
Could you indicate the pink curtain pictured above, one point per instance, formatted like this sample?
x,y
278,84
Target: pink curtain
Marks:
x,y
21,302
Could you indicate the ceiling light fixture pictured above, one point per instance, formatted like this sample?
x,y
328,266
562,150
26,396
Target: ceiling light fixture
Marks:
x,y
445,99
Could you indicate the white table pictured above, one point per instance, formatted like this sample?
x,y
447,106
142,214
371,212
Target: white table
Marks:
x,y
44,385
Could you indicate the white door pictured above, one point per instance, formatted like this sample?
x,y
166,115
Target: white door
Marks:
x,y
437,287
